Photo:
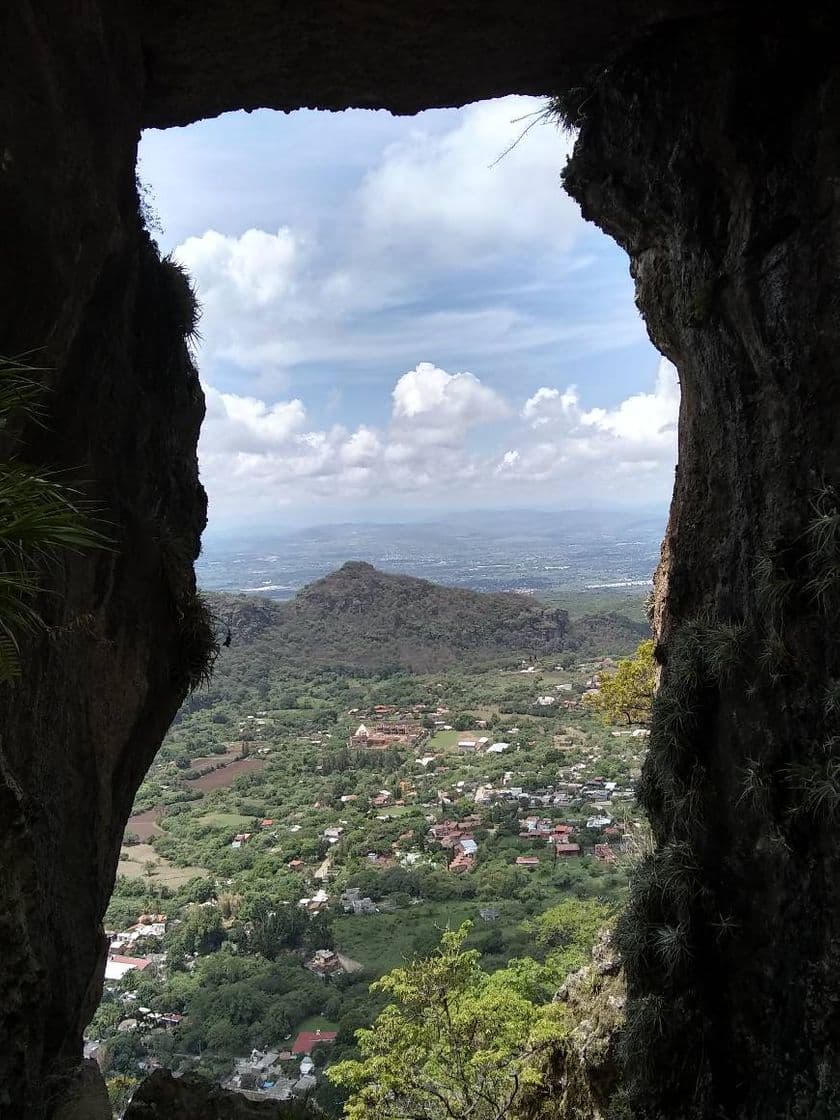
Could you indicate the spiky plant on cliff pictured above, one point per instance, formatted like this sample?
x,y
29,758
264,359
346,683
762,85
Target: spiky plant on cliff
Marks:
x,y
39,517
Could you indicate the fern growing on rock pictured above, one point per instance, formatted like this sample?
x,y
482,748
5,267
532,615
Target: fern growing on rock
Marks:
x,y
40,517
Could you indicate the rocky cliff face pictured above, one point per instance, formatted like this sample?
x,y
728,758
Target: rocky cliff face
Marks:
x,y
83,293
709,150
163,1097
711,155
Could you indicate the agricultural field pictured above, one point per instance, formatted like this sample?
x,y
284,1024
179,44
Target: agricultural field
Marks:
x,y
143,862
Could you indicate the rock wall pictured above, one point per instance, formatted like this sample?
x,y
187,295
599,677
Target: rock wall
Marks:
x,y
709,150
164,1097
711,154
83,293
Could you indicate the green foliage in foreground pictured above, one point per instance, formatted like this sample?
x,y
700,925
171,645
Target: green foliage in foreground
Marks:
x,y
457,1042
39,517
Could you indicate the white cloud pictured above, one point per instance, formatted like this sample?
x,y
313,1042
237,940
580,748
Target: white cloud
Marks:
x,y
254,269
361,449
550,404
646,419
456,195
256,455
431,395
637,439
398,247
421,246
248,424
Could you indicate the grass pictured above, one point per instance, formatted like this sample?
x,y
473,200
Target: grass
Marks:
x,y
198,642
831,702
42,519
226,820
182,302
755,786
166,874
725,649
774,589
820,791
672,947
400,810
823,530
448,740
384,941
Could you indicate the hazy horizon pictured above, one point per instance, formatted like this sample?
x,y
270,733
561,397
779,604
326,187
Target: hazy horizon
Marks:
x,y
298,521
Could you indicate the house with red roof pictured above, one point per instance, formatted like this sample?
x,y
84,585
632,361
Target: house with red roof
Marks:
x,y
117,966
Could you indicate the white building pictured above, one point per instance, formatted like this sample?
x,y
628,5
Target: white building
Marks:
x,y
116,966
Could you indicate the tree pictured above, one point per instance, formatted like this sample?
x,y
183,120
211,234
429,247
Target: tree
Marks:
x,y
568,930
120,1087
628,692
201,932
274,927
453,1045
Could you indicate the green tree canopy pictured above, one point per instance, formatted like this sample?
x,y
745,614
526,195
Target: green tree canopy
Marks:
x,y
453,1045
627,694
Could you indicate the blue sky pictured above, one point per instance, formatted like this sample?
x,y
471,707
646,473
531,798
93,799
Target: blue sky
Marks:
x,y
399,316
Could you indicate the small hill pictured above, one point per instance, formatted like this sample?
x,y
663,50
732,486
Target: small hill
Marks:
x,y
363,618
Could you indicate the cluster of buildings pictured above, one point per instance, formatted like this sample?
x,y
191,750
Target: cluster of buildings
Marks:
x,y
324,962
123,945
381,736
546,831
458,836
279,1075
352,902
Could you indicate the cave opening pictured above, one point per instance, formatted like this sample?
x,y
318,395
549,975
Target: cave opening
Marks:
x,y
708,150
403,317
410,340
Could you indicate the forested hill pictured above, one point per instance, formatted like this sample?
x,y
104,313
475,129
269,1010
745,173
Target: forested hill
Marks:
x,y
363,618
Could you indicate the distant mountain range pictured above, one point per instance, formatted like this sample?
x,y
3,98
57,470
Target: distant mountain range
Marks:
x,y
487,550
359,617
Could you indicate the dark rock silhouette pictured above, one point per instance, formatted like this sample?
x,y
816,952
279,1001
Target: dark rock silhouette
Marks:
x,y
709,150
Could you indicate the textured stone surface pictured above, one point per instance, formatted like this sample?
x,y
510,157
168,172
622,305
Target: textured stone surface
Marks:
x,y
709,150
581,1073
334,54
164,1097
85,1096
82,290
712,156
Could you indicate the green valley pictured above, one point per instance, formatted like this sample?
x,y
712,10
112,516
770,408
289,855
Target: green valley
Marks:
x,y
373,764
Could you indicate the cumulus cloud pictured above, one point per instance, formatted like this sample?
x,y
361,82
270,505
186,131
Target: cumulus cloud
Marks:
x,y
547,405
431,208
636,439
463,195
254,269
248,424
427,245
646,419
431,395
446,435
